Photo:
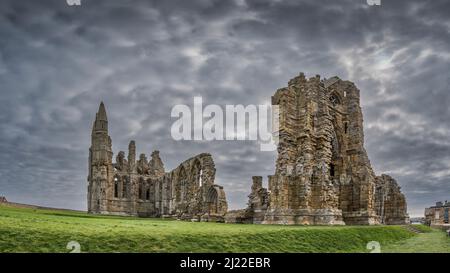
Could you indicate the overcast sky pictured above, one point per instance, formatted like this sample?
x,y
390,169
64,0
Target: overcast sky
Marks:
x,y
57,62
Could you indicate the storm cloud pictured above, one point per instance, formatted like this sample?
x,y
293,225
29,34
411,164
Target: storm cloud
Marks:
x,y
57,62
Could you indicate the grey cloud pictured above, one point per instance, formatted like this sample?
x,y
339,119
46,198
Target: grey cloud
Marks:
x,y
142,57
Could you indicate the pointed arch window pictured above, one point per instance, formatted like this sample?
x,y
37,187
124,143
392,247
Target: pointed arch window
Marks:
x,y
116,187
182,192
141,189
183,189
124,187
334,99
197,172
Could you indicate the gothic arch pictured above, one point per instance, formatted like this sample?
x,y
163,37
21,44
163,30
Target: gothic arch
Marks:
x,y
197,172
117,182
141,189
212,200
150,190
125,187
335,99
147,194
336,167
182,184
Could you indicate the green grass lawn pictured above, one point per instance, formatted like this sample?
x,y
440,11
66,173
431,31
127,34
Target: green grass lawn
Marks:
x,y
435,241
37,230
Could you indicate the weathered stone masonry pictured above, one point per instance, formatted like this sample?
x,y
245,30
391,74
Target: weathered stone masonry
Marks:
x,y
323,175
140,187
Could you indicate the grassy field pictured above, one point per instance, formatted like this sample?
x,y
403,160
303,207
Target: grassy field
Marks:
x,y
38,230
435,241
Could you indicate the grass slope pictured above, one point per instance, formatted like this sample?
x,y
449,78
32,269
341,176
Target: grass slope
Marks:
x,y
36,230
433,241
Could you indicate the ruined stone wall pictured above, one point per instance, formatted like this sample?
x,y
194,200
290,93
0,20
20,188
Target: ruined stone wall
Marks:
x,y
143,188
390,202
194,194
258,202
323,174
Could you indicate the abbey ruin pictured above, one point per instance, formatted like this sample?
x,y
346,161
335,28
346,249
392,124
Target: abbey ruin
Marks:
x,y
141,187
323,174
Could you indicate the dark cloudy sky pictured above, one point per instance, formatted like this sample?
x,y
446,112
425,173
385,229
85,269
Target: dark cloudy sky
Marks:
x,y
57,62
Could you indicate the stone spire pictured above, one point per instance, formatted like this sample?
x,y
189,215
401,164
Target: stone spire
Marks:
x,y
101,142
101,114
101,120
100,163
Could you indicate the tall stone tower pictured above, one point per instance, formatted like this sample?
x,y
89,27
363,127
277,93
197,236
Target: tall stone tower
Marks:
x,y
323,175
100,164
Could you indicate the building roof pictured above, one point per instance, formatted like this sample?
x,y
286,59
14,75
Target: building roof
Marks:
x,y
441,204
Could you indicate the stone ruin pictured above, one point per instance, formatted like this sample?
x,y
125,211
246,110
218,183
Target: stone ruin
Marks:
x,y
143,188
323,175
390,203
